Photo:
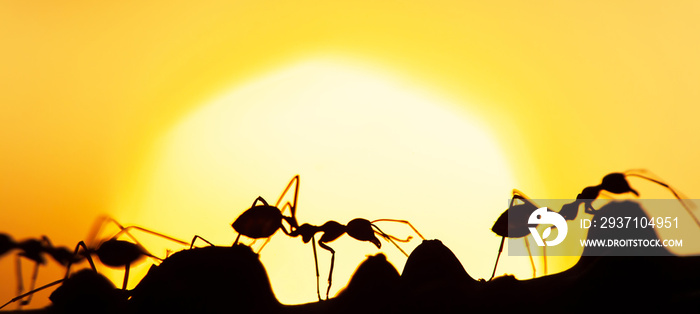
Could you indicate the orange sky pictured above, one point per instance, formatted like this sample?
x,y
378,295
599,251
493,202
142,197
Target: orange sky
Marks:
x,y
569,90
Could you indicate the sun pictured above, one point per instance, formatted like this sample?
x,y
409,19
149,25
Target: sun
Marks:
x,y
366,144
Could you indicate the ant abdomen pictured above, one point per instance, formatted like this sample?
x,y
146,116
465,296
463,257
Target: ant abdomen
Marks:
x,y
116,253
258,222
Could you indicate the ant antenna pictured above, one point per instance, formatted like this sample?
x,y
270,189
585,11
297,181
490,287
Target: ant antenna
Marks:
x,y
404,222
648,175
389,238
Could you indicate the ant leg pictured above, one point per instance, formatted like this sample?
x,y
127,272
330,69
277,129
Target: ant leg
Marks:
x,y
403,222
35,275
588,207
103,220
126,275
75,253
500,250
20,281
330,273
517,194
285,206
291,220
259,199
266,241
20,284
270,237
19,297
151,232
527,246
293,206
313,245
238,237
544,258
194,239
125,230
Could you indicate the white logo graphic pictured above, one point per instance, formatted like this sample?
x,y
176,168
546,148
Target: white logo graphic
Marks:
x,y
543,216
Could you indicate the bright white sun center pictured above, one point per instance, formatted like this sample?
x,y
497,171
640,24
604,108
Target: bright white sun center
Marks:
x,y
364,145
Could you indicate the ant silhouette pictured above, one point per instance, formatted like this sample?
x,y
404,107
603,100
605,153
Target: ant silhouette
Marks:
x,y
116,253
262,221
359,228
616,183
33,250
513,223
112,252
6,243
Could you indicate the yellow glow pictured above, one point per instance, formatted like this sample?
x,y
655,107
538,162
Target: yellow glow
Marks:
x,y
570,90
366,145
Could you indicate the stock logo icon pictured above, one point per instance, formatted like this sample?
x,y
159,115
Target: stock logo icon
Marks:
x,y
544,216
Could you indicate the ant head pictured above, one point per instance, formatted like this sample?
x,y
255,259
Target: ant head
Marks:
x,y
361,229
616,183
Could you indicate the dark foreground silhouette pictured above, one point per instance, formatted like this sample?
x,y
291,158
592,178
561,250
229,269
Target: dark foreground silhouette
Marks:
x,y
233,280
